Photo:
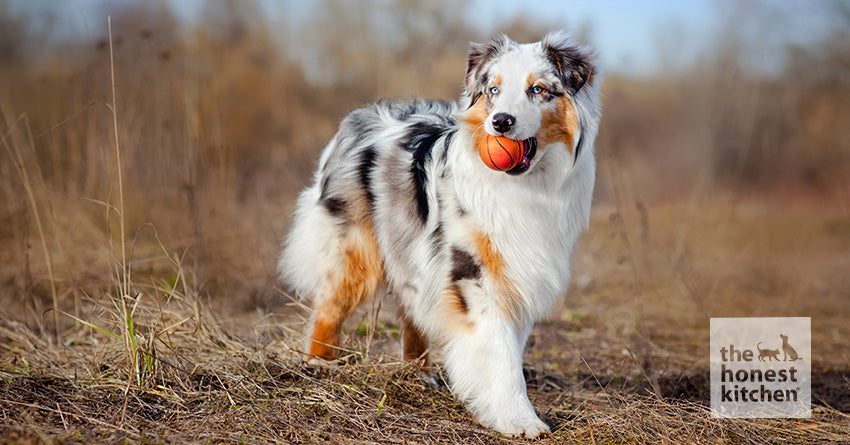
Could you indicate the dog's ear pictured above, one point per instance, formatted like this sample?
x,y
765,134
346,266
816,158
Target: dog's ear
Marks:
x,y
574,64
480,54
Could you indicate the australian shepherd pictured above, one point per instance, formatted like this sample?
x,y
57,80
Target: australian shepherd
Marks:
x,y
403,204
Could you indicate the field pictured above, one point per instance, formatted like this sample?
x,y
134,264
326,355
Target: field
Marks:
x,y
624,361
148,174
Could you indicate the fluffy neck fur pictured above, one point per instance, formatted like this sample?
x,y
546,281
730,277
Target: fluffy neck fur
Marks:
x,y
533,220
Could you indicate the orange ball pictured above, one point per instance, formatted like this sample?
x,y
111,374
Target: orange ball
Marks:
x,y
500,153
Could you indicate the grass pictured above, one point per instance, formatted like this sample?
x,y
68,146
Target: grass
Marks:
x,y
596,372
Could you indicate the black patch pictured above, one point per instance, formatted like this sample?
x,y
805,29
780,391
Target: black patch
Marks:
x,y
437,239
580,138
464,266
444,158
420,141
481,82
448,142
483,78
324,190
479,56
437,236
334,206
572,65
364,171
475,97
548,96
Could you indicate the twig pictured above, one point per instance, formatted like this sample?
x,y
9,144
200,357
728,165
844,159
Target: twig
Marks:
x,y
113,107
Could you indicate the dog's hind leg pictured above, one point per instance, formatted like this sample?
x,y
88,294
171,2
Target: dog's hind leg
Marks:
x,y
357,278
332,260
414,344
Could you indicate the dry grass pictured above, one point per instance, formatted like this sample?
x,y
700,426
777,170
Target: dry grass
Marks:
x,y
610,367
254,395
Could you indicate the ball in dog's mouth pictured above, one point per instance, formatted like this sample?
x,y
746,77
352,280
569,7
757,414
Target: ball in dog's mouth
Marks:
x,y
530,150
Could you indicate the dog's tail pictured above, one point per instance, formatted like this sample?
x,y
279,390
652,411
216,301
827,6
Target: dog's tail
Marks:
x,y
311,248
758,346
302,264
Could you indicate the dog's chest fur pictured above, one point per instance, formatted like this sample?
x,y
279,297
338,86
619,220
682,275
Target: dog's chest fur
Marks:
x,y
518,231
532,221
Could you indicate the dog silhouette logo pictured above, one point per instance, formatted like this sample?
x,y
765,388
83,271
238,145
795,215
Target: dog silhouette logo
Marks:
x,y
788,350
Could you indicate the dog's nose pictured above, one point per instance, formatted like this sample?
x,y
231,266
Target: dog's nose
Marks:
x,y
502,122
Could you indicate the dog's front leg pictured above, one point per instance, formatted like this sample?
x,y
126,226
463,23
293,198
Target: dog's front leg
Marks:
x,y
484,364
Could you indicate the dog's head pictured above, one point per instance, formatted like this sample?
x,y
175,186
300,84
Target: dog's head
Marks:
x,y
527,91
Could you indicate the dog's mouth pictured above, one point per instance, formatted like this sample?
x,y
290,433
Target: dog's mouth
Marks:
x,y
528,153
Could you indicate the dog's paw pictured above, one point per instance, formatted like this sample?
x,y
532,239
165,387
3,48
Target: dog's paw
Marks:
x,y
531,428
317,362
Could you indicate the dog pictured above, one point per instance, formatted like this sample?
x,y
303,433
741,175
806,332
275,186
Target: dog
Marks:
x,y
788,350
401,203
770,354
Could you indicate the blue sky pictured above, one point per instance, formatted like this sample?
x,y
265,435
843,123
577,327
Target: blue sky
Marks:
x,y
627,33
624,32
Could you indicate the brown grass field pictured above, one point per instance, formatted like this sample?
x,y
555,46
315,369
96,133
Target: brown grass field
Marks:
x,y
624,361
147,179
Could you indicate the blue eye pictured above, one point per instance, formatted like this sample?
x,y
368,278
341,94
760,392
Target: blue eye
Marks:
x,y
494,90
537,89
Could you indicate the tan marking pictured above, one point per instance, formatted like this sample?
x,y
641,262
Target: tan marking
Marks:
x,y
457,300
474,117
529,81
324,340
509,299
559,125
455,309
414,343
361,274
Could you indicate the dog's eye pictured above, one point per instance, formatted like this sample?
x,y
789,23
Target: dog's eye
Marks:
x,y
537,89
494,90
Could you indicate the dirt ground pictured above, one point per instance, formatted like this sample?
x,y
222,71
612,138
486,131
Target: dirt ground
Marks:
x,y
624,360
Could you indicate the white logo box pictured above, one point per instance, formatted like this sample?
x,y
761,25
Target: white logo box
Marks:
x,y
755,372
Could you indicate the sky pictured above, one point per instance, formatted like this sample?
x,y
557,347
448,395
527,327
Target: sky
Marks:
x,y
622,30
626,33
